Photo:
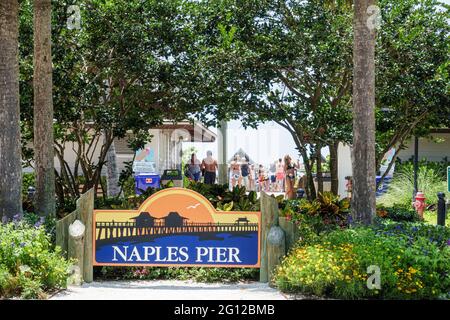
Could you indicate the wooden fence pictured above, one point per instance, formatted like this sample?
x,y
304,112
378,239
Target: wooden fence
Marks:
x,y
74,235
278,235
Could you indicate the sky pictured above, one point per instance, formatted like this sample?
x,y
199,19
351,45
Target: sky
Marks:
x,y
264,145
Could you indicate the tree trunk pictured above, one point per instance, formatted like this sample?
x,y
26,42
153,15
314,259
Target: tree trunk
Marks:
x,y
43,110
10,144
334,160
363,155
319,170
310,188
112,182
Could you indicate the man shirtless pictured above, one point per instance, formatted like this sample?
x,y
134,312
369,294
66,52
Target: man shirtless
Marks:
x,y
209,164
236,175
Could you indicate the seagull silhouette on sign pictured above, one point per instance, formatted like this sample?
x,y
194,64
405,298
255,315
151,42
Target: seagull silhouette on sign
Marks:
x,y
193,206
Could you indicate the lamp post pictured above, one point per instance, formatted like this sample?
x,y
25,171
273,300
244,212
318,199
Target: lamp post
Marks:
x,y
222,152
416,165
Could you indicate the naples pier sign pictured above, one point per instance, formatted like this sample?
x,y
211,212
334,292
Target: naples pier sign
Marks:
x,y
176,227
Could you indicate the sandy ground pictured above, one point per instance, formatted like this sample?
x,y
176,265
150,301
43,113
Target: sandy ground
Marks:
x,y
169,290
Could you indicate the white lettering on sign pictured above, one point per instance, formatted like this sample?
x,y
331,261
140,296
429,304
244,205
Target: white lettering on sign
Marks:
x,y
123,254
175,254
218,254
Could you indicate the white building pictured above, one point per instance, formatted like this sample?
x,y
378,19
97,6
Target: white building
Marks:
x,y
434,148
165,147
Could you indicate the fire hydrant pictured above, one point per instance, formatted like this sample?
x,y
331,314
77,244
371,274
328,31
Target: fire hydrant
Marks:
x,y
419,204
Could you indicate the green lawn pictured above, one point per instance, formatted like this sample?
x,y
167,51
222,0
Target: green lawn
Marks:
x,y
431,218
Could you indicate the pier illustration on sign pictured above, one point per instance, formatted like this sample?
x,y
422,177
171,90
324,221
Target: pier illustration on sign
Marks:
x,y
176,227
145,225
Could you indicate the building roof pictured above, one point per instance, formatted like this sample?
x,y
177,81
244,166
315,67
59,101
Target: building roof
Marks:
x,y
144,215
173,214
241,154
195,132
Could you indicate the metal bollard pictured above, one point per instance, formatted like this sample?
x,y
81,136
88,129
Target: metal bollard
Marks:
x,y
300,193
30,192
441,209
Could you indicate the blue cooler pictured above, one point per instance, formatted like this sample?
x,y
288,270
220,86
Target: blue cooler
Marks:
x,y
146,180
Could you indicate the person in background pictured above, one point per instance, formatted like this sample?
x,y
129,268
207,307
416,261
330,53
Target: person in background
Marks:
x,y
272,176
263,179
280,176
245,171
194,168
210,166
236,176
251,178
290,169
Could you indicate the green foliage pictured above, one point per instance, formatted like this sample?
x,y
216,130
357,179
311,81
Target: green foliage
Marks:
x,y
291,62
430,181
335,264
125,71
28,180
128,186
431,218
219,195
29,265
412,48
398,213
225,200
48,223
179,273
438,167
325,212
413,231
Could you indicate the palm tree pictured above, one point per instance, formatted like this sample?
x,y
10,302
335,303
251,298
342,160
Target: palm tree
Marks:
x,y
112,173
363,153
10,147
43,109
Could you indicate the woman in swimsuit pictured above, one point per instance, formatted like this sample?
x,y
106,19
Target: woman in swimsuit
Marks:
x,y
289,170
236,176
263,179
280,175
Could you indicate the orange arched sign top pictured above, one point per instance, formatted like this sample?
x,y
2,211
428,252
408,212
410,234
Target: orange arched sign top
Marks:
x,y
188,203
176,227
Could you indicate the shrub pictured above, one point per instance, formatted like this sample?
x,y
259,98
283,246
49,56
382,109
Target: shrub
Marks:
x,y
335,264
28,180
179,273
438,235
400,190
325,213
440,168
48,223
220,197
29,266
398,213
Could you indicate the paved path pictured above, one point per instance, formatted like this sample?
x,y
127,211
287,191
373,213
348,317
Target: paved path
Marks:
x,y
169,290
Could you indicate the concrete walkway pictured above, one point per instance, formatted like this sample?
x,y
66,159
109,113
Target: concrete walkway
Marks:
x,y
169,290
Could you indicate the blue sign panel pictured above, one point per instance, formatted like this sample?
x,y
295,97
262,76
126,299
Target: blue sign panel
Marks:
x,y
176,227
